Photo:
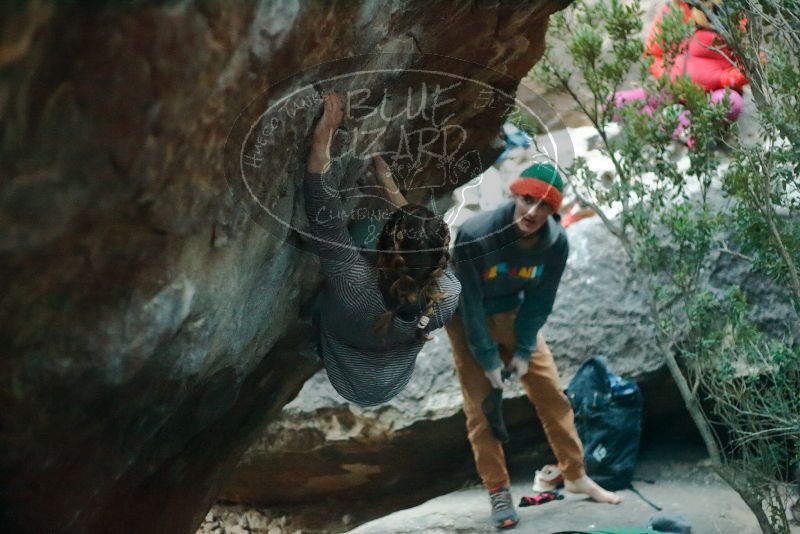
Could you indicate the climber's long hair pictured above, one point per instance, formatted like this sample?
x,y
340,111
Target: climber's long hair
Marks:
x,y
412,255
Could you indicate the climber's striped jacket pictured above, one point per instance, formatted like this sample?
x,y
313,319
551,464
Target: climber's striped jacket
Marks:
x,y
363,367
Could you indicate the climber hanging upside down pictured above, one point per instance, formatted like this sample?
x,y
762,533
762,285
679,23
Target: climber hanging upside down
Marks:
x,y
373,320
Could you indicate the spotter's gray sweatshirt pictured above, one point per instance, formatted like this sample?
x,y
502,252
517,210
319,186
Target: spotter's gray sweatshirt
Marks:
x,y
497,274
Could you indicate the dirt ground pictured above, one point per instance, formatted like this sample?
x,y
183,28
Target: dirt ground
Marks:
x,y
683,484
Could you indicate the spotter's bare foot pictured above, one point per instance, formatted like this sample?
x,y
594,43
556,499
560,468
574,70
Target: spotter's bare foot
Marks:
x,y
587,486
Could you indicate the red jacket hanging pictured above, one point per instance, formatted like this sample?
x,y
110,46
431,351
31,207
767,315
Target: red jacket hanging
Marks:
x,y
704,57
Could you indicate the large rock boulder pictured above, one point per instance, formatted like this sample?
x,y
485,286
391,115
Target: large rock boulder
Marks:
x,y
142,307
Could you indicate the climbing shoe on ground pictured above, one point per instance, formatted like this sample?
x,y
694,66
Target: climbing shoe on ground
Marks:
x,y
548,478
503,514
540,498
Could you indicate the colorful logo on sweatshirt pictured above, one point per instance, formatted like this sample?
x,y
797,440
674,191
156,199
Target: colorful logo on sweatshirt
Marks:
x,y
502,269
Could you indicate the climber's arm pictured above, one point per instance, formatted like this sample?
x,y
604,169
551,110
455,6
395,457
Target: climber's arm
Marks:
x,y
319,159
386,181
326,216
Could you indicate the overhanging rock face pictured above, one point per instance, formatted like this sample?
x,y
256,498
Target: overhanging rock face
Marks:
x,y
146,311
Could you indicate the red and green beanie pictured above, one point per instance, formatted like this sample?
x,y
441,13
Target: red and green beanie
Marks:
x,y
541,180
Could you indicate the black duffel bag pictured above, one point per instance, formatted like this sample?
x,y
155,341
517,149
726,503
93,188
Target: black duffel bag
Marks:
x,y
608,416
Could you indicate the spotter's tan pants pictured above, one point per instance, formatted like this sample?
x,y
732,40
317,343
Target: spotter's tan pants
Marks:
x,y
542,386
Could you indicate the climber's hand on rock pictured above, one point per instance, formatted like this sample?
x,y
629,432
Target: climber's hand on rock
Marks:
x,y
320,158
385,180
518,368
495,378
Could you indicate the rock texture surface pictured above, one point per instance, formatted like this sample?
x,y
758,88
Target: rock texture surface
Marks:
x,y
142,309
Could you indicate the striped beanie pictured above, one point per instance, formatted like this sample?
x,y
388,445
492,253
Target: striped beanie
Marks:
x,y
541,180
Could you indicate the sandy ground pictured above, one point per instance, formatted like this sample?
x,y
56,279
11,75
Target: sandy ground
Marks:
x,y
684,484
